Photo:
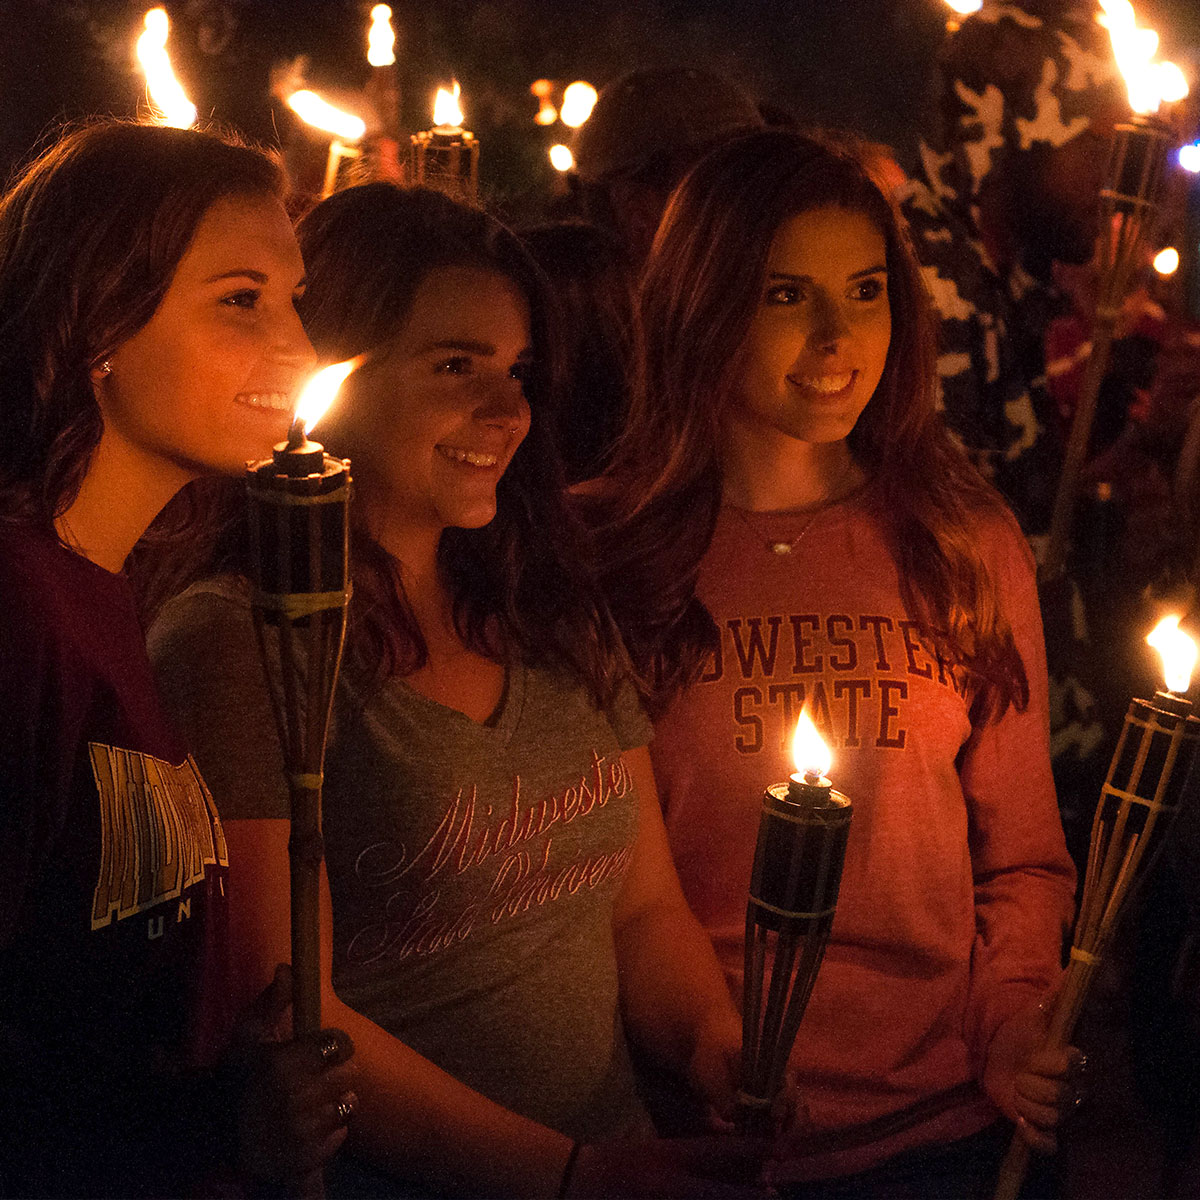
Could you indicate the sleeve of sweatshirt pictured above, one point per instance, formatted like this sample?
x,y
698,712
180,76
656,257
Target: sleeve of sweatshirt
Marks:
x,y
1024,878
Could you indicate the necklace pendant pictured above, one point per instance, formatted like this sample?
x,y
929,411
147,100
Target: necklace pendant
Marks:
x,y
782,547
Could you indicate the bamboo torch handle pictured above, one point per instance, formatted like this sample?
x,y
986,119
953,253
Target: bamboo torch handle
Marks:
x,y
1013,1170
305,852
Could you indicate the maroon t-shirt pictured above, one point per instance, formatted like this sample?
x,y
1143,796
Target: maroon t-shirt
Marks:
x,y
112,882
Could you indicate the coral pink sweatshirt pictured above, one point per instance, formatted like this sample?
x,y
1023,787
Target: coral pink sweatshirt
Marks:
x,y
957,888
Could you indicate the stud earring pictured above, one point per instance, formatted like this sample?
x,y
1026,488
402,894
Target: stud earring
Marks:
x,y
106,367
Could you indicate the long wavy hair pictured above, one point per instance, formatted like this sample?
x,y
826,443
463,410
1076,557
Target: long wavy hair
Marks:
x,y
91,233
521,585
656,507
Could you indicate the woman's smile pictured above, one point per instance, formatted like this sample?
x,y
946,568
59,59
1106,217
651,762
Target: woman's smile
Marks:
x,y
827,387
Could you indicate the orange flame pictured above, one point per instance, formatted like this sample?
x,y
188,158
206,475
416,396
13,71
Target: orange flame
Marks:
x,y
447,113
1178,653
319,113
578,101
964,8
320,391
1149,83
809,752
561,158
1166,261
170,103
543,89
381,37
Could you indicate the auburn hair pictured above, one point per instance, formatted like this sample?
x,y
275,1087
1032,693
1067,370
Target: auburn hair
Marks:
x,y
656,507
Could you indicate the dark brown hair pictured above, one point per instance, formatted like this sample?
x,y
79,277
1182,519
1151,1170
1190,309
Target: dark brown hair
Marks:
x,y
657,506
91,233
520,585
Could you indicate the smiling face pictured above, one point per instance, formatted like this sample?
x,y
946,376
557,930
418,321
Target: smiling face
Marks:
x,y
819,338
433,419
209,381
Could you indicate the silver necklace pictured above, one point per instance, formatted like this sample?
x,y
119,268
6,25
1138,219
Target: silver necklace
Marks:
x,y
782,548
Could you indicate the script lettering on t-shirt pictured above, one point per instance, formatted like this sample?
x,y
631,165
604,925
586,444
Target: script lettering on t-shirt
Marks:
x,y
159,830
852,674
515,841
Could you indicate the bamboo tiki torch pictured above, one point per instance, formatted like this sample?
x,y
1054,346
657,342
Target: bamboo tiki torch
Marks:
x,y
794,884
1137,802
1128,204
299,539
446,157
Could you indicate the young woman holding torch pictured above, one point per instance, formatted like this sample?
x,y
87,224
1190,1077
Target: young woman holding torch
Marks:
x,y
786,526
147,336
502,907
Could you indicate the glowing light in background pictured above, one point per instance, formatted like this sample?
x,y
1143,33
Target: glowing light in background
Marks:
x,y
964,8
543,89
578,101
1149,83
381,37
1166,261
447,112
1189,157
167,97
561,158
1178,653
319,113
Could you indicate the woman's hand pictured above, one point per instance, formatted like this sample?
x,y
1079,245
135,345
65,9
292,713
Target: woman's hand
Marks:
x,y
1032,1084
715,1065
297,1096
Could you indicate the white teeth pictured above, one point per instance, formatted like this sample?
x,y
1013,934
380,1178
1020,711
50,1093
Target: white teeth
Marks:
x,y
829,383
469,456
277,401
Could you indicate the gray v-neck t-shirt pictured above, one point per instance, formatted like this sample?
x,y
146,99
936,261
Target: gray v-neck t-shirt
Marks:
x,y
473,867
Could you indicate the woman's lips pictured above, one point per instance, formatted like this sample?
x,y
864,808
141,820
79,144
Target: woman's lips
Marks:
x,y
826,386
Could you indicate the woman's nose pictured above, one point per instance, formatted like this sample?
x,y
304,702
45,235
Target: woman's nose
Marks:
x,y
504,404
830,326
293,347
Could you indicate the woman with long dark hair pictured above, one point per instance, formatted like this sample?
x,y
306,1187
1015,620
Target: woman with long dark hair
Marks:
x,y
787,526
502,905
147,336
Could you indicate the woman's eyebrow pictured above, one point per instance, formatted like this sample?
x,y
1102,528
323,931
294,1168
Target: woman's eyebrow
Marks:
x,y
466,345
238,273
809,279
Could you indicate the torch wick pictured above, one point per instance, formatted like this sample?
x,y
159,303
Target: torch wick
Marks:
x,y
296,435
812,776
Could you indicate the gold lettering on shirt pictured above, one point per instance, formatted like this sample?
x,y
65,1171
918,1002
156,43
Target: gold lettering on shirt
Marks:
x,y
159,829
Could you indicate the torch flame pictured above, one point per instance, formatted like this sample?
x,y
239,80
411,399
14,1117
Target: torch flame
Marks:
x,y
809,752
1149,83
319,113
561,158
1166,261
447,113
1189,157
1178,653
170,103
320,391
381,37
965,7
578,101
547,114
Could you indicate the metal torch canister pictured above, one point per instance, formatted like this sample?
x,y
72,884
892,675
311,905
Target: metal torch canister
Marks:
x,y
1139,158
448,160
802,834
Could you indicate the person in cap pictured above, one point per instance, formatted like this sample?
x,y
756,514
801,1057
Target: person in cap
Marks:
x,y
646,132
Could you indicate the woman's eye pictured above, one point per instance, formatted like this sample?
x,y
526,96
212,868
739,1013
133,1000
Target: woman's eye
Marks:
x,y
784,293
869,289
460,364
521,372
247,298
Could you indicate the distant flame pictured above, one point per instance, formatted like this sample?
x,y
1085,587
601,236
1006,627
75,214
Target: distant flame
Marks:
x,y
809,752
320,391
1166,261
1189,157
381,37
1178,653
578,101
319,113
965,7
1149,83
171,105
561,158
543,89
447,113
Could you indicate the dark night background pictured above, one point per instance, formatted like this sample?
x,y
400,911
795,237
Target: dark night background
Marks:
x,y
862,64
